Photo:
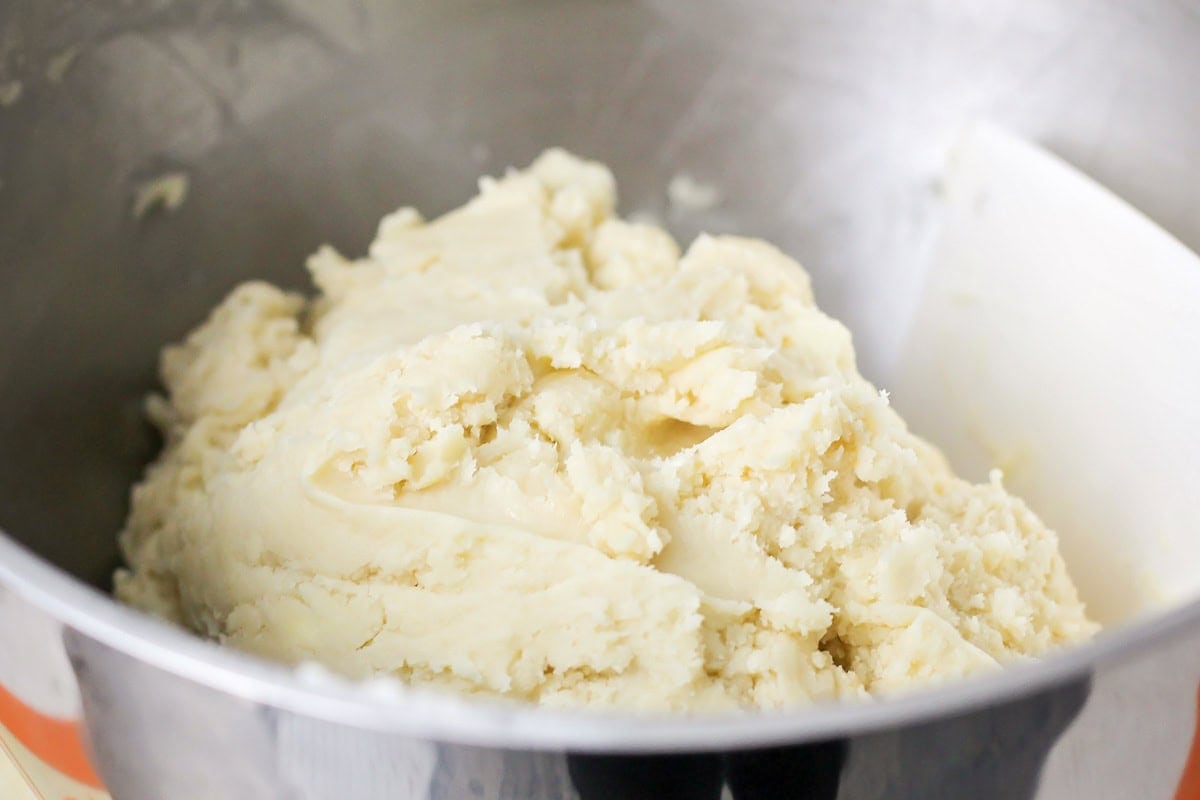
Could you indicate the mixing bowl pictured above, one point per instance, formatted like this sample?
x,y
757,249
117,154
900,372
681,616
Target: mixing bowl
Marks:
x,y
282,124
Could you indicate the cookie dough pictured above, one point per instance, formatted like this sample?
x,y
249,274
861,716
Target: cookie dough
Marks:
x,y
529,449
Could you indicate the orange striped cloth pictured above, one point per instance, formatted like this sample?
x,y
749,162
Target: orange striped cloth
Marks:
x,y
57,742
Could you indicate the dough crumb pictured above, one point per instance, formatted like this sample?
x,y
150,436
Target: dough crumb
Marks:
x,y
58,67
10,93
166,192
686,194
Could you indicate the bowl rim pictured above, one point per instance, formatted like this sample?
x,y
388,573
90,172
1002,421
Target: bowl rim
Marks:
x,y
388,707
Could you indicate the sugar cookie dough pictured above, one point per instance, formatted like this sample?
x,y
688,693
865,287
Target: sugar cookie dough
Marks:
x,y
531,450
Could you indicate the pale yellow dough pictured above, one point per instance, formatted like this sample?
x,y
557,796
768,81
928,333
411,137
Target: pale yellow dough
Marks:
x,y
528,449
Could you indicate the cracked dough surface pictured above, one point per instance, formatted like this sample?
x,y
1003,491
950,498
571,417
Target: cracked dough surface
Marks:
x,y
528,449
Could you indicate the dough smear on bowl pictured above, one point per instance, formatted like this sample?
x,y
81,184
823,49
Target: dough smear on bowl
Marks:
x,y
529,449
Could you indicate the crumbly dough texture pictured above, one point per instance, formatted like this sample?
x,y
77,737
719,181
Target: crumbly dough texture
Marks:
x,y
531,450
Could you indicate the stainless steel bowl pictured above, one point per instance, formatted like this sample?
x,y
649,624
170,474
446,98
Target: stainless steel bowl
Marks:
x,y
304,121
